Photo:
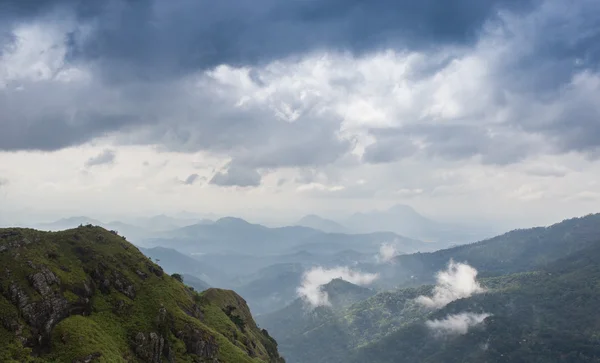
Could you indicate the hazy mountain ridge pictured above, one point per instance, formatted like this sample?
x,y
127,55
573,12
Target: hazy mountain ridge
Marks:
x,y
326,225
518,250
174,261
234,235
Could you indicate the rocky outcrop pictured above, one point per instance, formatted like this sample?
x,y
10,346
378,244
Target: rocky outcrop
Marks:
x,y
13,241
88,358
41,281
198,342
41,315
105,278
157,270
149,347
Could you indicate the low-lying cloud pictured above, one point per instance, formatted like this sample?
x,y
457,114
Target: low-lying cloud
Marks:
x,y
458,281
456,323
387,252
313,280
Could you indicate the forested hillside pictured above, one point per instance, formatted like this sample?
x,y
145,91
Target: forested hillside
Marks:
x,y
515,251
534,301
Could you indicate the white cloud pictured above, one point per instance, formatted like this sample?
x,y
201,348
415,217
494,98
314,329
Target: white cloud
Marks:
x,y
387,252
456,282
456,324
313,280
225,109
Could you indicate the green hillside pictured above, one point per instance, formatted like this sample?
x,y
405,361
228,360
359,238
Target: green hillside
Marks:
x,y
515,251
543,289
547,316
87,295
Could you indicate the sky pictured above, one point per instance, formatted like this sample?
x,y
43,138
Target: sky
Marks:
x,y
463,109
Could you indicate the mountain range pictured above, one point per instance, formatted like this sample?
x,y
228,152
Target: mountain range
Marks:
x,y
525,296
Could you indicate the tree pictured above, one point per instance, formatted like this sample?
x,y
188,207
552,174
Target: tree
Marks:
x,y
177,277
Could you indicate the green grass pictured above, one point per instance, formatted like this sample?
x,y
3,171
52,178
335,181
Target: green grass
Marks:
x,y
115,318
77,337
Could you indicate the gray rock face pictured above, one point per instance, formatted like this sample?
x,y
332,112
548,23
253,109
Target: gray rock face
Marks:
x,y
107,279
197,342
157,270
149,348
88,358
41,315
41,281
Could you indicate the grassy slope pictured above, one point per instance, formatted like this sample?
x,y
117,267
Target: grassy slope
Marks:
x,y
115,319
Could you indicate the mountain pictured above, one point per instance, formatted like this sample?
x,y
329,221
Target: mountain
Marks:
x,y
66,223
236,236
196,283
515,251
342,293
531,277
304,331
230,235
326,225
404,220
132,232
174,261
272,288
545,316
164,223
87,294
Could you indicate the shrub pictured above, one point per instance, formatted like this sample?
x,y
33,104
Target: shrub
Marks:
x,y
177,277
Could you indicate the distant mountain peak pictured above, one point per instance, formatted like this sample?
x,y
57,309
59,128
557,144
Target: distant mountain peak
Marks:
x,y
342,293
231,221
403,208
323,224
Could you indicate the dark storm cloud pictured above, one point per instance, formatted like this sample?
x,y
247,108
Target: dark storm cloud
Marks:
x,y
165,38
48,115
545,84
237,175
141,49
562,40
105,157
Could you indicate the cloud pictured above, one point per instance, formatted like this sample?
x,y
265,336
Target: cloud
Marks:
x,y
237,175
3,182
313,280
153,38
191,179
387,252
254,102
458,281
105,157
482,89
456,324
545,170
